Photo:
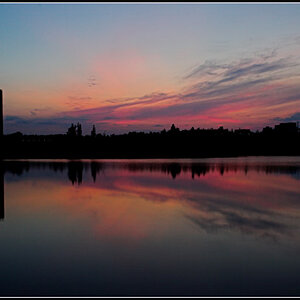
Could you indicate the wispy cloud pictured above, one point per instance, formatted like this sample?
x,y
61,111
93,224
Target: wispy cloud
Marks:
x,y
219,79
248,92
92,81
34,112
293,118
260,80
78,102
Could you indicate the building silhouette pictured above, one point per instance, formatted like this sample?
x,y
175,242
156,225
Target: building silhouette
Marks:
x,y
286,128
1,113
1,165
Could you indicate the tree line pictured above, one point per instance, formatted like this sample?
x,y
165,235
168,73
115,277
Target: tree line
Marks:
x,y
284,139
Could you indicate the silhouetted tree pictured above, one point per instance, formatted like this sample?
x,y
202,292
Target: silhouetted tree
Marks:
x,y
174,129
72,130
284,139
93,132
79,130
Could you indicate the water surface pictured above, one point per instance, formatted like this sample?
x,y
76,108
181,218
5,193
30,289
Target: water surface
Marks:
x,y
150,227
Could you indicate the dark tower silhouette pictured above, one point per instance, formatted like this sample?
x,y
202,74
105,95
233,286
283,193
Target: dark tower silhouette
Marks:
x,y
1,126
1,113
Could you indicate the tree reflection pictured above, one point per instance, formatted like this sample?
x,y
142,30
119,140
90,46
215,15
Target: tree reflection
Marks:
x,y
174,169
75,169
214,205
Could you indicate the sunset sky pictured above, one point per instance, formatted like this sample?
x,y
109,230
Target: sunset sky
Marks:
x,y
134,67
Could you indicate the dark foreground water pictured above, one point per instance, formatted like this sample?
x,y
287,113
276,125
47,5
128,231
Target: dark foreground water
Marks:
x,y
150,227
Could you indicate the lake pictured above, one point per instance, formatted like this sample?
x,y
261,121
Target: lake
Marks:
x,y
190,227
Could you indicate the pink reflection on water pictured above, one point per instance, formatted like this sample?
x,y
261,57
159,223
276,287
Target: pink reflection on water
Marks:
x,y
132,205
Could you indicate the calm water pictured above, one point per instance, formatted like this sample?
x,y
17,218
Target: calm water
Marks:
x,y
151,227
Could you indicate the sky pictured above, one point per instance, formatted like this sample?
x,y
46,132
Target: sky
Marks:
x,y
143,67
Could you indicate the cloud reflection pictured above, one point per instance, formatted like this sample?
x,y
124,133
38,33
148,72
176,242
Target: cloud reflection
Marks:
x,y
260,199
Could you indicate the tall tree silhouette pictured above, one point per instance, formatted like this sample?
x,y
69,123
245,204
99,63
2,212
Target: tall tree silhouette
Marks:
x,y
174,129
72,130
93,132
79,130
